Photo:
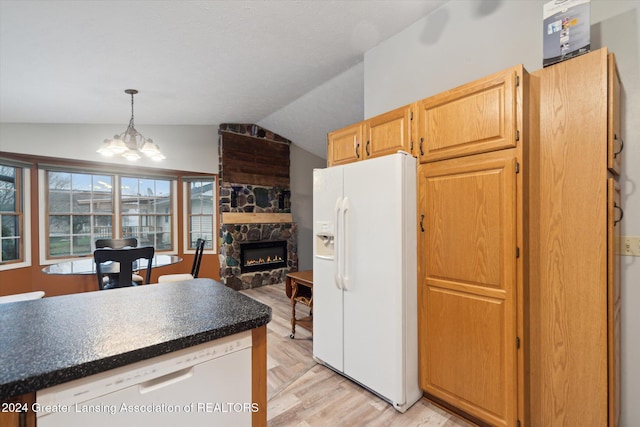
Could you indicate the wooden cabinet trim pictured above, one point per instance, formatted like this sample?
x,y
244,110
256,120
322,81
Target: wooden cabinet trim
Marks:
x,y
613,299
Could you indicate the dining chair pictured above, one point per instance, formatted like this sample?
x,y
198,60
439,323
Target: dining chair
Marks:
x,y
25,296
130,242
195,268
126,258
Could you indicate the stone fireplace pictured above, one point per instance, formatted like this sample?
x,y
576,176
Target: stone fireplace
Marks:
x,y
258,238
235,237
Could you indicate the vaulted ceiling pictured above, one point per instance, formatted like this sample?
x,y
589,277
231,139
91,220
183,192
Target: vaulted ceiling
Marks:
x,y
291,66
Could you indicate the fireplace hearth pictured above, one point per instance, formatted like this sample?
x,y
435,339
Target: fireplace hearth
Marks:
x,y
260,256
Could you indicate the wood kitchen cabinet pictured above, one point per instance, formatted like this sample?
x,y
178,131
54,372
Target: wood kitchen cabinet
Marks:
x,y
375,137
388,133
475,118
344,145
468,306
575,212
471,235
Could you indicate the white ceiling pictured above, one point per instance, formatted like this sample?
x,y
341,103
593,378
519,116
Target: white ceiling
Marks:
x,y
287,65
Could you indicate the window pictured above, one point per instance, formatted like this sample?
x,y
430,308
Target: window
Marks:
x,y
146,211
200,211
80,207
12,239
80,210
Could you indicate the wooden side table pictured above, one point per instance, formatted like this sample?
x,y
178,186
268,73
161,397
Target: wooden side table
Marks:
x,y
299,288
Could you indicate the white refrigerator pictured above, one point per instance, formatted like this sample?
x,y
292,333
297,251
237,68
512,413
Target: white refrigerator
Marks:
x,y
364,275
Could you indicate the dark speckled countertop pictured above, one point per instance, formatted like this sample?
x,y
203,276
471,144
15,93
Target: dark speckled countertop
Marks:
x,y
54,340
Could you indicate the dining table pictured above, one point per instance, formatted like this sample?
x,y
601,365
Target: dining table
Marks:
x,y
87,265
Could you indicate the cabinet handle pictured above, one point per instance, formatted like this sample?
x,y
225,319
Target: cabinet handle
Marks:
x,y
357,146
367,147
411,146
421,225
615,221
621,145
421,141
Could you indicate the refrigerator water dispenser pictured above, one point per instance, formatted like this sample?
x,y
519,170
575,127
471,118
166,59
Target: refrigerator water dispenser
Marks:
x,y
324,239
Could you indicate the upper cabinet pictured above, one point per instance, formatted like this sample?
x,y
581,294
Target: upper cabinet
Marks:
x,y
375,137
388,133
615,144
344,145
474,118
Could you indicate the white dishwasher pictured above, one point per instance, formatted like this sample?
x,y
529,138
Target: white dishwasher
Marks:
x,y
205,385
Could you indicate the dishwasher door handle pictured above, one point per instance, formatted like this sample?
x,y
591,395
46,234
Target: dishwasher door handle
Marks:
x,y
166,380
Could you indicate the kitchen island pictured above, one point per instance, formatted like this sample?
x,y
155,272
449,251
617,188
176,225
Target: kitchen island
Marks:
x,y
57,340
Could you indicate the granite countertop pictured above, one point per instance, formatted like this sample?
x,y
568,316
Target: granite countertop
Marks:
x,y
54,340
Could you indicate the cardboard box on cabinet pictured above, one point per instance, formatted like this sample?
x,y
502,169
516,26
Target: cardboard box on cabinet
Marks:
x,y
566,29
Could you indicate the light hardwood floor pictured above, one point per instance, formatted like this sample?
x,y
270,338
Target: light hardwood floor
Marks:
x,y
300,392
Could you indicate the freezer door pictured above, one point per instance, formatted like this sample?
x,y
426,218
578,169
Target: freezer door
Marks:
x,y
327,293
380,270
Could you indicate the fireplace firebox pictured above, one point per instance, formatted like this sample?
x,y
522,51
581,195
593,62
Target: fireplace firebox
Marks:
x,y
258,256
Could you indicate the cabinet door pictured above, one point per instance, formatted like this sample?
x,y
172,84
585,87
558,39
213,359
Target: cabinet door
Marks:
x,y
468,284
388,133
614,138
344,145
475,118
614,215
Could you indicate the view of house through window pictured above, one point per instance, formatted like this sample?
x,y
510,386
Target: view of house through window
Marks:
x,y
11,234
80,208
83,207
201,211
146,211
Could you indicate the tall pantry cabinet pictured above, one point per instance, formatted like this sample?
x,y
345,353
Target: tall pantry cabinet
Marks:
x,y
575,212
471,232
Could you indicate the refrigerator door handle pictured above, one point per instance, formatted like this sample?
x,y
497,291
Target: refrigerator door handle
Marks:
x,y
344,240
337,254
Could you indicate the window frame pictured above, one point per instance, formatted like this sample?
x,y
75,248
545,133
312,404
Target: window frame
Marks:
x,y
173,208
186,214
71,214
23,211
43,187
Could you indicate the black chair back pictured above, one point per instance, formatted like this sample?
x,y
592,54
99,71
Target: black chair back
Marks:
x,y
126,258
197,259
131,242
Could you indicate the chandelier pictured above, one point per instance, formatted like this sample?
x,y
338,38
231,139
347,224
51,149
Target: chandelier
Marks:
x,y
131,144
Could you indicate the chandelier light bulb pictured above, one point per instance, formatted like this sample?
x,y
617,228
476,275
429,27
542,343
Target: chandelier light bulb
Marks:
x,y
117,145
131,155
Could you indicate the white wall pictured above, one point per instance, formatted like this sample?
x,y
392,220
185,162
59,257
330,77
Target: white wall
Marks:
x,y
301,173
80,141
468,39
